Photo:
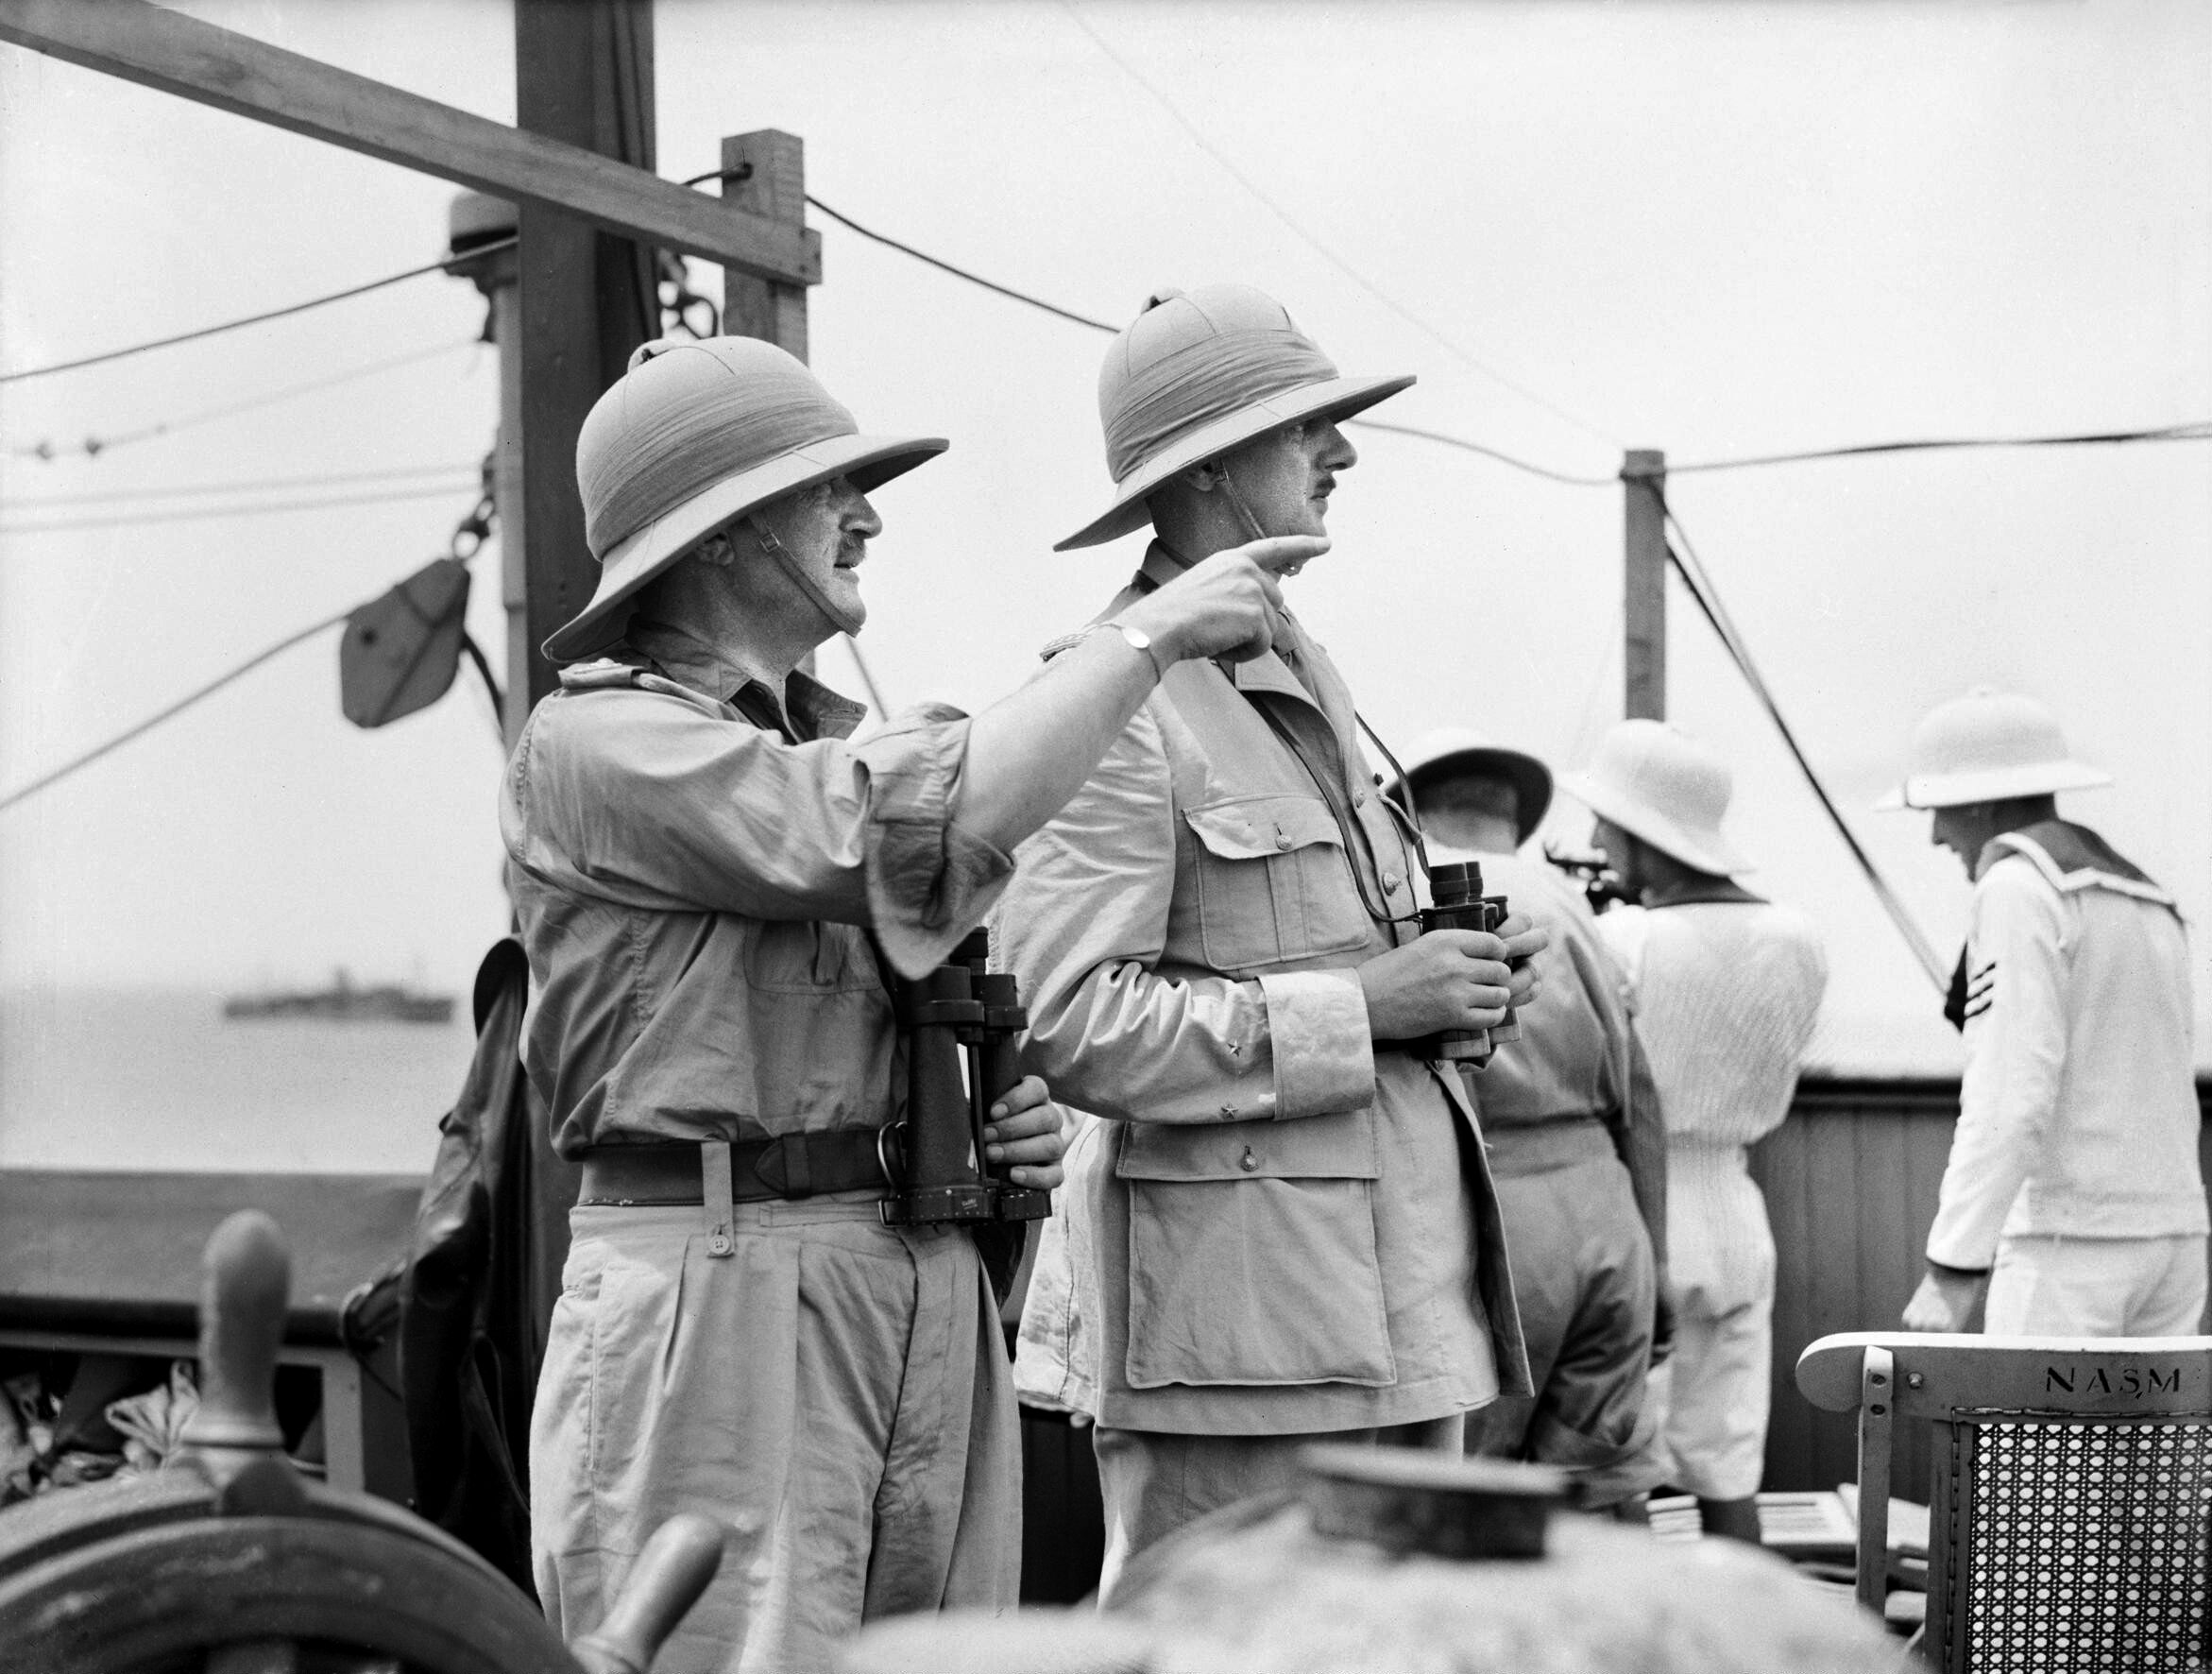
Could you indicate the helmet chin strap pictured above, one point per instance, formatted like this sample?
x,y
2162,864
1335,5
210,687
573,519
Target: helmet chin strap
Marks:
x,y
844,621
1243,511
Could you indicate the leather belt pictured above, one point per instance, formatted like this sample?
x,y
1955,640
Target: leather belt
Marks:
x,y
795,1166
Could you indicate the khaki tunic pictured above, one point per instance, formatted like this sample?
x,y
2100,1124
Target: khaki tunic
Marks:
x,y
694,892
1275,1227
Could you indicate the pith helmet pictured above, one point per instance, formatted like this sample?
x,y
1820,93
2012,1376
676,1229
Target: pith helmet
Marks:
x,y
1196,374
1658,782
697,433
1987,747
1450,750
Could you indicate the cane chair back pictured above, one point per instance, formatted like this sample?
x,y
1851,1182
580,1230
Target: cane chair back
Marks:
x,y
2072,1478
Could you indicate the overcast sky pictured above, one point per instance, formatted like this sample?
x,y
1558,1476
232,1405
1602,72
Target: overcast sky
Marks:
x,y
1717,230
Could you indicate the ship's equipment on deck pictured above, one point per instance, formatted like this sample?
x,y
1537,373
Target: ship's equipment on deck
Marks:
x,y
1389,1558
233,1560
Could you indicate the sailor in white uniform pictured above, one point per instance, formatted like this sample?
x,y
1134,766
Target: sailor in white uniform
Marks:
x,y
2073,1189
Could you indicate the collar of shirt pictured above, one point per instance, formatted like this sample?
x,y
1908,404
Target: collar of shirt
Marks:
x,y
1281,669
805,708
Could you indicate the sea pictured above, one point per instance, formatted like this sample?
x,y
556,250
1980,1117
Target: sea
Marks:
x,y
160,1079
135,1079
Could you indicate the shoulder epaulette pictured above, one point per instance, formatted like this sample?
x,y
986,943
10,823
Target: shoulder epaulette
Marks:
x,y
601,675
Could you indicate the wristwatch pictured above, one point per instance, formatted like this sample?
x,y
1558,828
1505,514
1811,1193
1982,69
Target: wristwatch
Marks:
x,y
1138,640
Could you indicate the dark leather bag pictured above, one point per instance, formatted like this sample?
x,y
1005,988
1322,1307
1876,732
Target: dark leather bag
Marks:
x,y
476,1295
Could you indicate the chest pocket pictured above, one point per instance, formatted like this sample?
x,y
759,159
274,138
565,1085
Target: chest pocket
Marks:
x,y
1273,882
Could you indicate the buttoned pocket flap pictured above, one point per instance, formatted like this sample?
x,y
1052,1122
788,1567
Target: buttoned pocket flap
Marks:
x,y
1259,827
1342,1147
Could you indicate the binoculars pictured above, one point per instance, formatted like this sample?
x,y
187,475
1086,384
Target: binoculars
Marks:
x,y
958,1024
1455,887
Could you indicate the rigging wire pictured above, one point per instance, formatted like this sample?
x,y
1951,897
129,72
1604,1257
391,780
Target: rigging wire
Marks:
x,y
93,446
1323,250
990,285
868,679
1706,597
2192,430
244,509
1098,325
170,711
1487,453
475,253
397,473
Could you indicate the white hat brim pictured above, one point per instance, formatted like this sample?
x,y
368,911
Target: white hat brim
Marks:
x,y
1991,784
867,460
1708,852
1333,398
1530,779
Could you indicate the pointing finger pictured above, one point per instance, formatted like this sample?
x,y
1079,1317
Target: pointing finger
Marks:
x,y
1279,553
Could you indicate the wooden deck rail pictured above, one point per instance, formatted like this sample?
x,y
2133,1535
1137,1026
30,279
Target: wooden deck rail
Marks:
x,y
1851,1183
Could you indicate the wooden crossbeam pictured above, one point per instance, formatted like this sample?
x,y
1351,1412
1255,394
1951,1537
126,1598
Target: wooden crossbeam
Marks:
x,y
179,54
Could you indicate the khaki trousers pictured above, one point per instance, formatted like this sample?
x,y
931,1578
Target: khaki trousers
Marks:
x,y
835,1391
1584,1276
1155,1482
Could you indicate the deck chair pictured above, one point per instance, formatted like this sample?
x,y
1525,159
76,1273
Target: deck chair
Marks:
x,y
2068,1508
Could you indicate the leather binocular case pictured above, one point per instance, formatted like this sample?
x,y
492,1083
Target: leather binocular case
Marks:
x,y
959,1025
1455,887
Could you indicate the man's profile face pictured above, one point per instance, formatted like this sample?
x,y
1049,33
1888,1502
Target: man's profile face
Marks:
x,y
1287,475
1964,830
1622,851
826,530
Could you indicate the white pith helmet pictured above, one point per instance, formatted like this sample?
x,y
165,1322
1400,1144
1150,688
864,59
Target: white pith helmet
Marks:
x,y
1988,746
1657,783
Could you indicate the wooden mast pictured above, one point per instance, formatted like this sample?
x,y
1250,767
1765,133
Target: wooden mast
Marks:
x,y
1643,594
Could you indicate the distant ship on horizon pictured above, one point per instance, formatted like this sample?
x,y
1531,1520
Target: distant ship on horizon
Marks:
x,y
342,1003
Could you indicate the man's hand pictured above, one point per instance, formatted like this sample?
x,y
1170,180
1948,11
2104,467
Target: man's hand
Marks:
x,y
1523,942
1944,1301
1220,607
1026,1130
1449,979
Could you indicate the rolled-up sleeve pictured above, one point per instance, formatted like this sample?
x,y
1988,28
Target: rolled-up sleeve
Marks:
x,y
648,800
1083,927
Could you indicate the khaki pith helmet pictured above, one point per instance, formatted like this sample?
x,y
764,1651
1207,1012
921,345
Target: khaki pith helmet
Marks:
x,y
1197,373
693,436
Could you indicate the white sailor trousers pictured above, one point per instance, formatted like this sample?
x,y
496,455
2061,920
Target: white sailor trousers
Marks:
x,y
2047,1285
836,1392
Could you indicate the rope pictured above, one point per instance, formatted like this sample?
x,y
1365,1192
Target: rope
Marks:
x,y
154,720
1707,599
255,319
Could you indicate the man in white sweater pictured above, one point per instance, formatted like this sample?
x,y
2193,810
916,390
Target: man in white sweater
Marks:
x,y
1726,988
2073,1189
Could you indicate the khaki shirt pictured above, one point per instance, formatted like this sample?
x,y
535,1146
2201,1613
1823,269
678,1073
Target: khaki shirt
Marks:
x,y
1275,1227
692,889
